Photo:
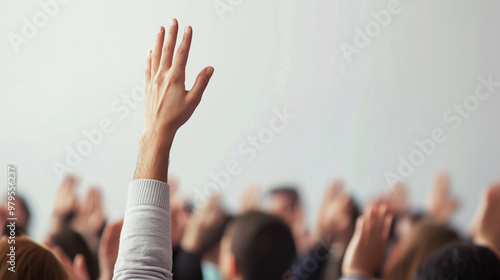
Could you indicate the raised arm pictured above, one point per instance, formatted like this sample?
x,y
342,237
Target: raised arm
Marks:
x,y
145,250
365,252
486,228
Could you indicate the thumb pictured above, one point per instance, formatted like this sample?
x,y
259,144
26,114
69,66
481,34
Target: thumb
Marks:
x,y
201,83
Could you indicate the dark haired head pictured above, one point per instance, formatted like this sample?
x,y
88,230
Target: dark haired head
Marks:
x,y
72,243
22,214
23,205
214,235
288,191
462,262
261,245
284,202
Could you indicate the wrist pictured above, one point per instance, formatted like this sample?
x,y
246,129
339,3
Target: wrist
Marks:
x,y
153,155
159,138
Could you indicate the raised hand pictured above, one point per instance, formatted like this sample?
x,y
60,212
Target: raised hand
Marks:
x,y
66,202
486,228
108,249
65,205
90,219
250,200
397,198
365,252
441,205
197,237
168,104
335,213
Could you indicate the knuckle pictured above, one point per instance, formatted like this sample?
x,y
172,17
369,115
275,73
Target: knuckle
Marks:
x,y
168,49
174,76
181,52
159,78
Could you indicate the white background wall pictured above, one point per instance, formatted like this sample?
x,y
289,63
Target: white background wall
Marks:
x,y
352,119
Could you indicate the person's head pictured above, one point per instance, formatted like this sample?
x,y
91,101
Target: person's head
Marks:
x,y
180,210
284,202
22,214
256,246
403,224
32,261
423,240
72,244
461,261
212,240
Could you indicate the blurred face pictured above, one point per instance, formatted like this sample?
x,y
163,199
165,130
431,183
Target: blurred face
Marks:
x,y
20,214
179,217
281,206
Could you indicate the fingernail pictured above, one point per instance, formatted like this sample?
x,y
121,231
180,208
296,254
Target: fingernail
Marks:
x,y
161,29
210,71
187,29
172,22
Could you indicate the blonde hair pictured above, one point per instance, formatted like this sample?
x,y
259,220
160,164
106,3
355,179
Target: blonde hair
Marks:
x,y
32,261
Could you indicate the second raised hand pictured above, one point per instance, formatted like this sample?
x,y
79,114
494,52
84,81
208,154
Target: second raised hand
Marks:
x,y
168,105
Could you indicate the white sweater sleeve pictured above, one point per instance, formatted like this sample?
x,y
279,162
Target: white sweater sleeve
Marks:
x,y
145,250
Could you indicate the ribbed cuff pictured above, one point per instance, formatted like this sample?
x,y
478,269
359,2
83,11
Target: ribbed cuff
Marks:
x,y
149,192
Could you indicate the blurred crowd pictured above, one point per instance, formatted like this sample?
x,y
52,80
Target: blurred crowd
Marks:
x,y
87,244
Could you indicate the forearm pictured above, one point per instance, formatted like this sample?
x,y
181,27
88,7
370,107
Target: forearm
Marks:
x,y
145,243
145,250
154,155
